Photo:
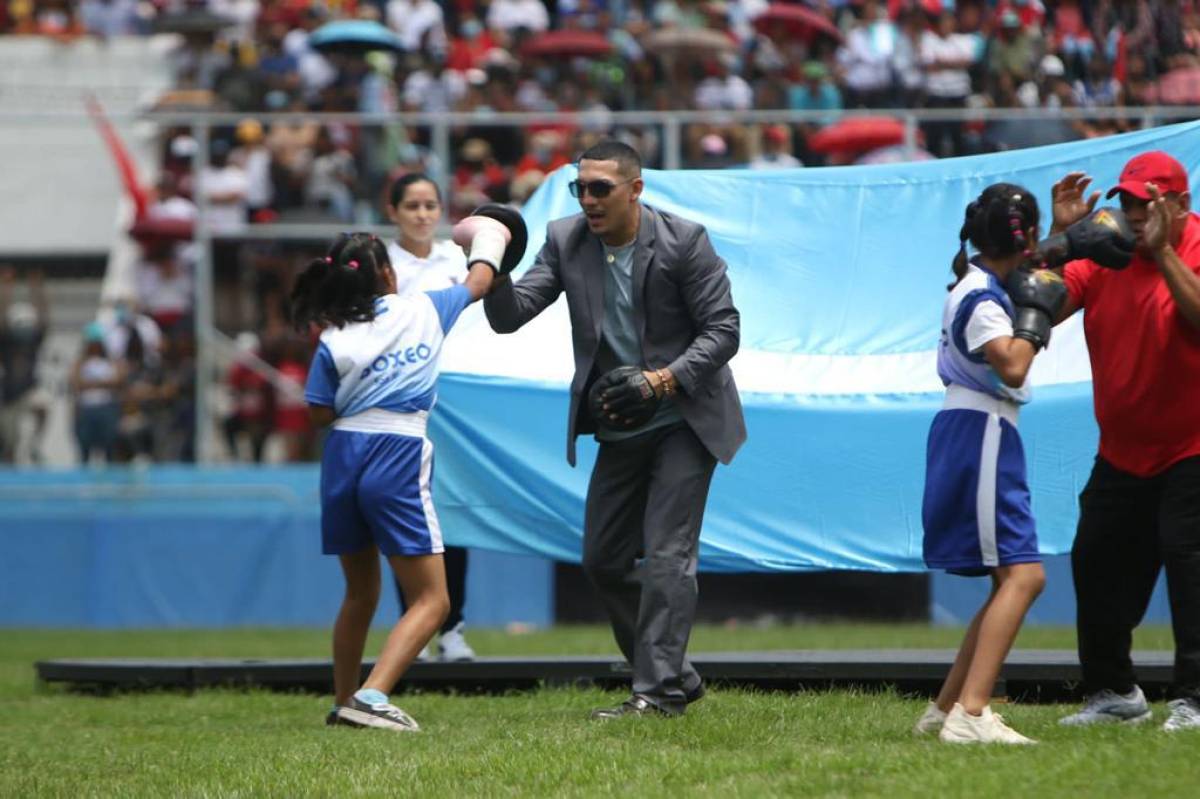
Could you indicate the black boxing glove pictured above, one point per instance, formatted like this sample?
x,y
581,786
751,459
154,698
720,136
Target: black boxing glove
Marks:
x,y
622,399
1103,236
1038,295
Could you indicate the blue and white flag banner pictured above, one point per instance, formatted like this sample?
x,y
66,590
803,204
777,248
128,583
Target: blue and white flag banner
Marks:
x,y
840,275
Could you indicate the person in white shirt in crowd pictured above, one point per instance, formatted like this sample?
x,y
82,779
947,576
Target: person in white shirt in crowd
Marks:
x,y
512,15
946,56
420,24
423,262
168,202
244,14
164,284
254,158
331,177
316,72
906,58
776,150
866,58
434,89
722,89
224,187
121,324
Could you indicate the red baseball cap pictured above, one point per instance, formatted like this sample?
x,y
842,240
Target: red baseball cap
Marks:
x,y
776,133
1156,167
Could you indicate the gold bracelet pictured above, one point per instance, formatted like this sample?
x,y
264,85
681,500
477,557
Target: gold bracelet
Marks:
x,y
666,384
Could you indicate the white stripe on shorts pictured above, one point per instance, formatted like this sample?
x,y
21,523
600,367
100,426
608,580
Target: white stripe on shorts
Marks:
x,y
431,519
985,492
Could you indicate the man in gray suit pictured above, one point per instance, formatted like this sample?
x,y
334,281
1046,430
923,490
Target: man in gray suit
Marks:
x,y
644,288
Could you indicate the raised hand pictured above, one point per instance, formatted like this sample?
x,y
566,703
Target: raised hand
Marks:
x,y
1158,220
1067,197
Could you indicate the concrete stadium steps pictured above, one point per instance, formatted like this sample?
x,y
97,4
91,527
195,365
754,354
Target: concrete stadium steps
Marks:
x,y
73,303
58,166
1033,674
38,73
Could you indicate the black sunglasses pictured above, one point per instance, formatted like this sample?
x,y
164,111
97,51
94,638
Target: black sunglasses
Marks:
x,y
597,188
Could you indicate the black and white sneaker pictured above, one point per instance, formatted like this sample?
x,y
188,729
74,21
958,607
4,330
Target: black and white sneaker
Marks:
x,y
1110,707
382,715
1185,715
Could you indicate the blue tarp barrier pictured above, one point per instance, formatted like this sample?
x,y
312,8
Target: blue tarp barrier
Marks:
x,y
839,275
194,547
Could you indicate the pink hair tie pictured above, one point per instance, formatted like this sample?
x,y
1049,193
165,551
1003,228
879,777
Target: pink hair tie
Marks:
x,y
352,264
328,260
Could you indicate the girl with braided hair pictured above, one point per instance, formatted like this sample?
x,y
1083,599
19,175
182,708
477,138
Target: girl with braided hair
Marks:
x,y
976,511
374,380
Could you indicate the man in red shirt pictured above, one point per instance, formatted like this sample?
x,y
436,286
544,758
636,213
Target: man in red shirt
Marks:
x,y
1140,510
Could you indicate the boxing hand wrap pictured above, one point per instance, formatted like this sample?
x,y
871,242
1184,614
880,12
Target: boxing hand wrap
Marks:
x,y
484,239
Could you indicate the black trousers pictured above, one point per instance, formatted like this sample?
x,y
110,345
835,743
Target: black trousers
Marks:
x,y
1129,529
944,138
645,504
456,585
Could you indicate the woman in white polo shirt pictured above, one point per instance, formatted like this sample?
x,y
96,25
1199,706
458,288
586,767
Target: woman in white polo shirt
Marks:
x,y
423,262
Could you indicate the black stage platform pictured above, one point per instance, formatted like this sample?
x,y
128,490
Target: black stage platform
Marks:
x,y
1032,674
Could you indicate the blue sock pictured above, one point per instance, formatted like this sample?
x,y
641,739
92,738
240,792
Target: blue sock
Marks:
x,y
370,696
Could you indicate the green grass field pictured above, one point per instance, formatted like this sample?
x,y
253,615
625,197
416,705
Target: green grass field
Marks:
x,y
734,743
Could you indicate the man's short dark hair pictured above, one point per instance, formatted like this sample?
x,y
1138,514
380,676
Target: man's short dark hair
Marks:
x,y
629,163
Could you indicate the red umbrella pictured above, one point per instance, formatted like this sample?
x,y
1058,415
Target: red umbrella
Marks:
x,y
567,43
795,20
1180,87
857,135
151,230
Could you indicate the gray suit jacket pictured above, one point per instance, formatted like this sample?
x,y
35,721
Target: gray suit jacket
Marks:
x,y
682,306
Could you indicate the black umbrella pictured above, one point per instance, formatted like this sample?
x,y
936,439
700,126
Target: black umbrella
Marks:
x,y
193,20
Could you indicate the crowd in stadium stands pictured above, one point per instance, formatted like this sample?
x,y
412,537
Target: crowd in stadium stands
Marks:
x,y
249,56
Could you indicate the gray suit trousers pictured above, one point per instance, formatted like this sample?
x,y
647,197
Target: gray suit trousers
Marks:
x,y
645,504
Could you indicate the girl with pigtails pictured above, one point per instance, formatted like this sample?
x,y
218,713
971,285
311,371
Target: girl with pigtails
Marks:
x,y
976,512
373,379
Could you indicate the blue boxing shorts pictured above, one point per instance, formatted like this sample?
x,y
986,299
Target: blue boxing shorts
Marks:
x,y
976,513
375,488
